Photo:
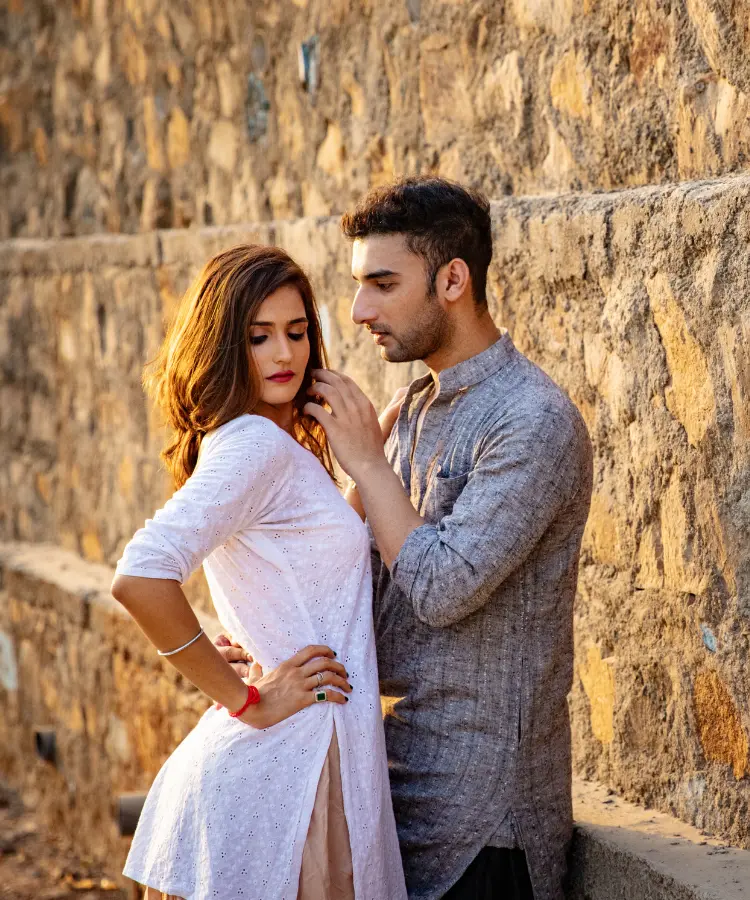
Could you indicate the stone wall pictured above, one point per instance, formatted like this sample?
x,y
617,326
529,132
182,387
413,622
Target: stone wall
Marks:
x,y
637,303
634,301
73,661
126,115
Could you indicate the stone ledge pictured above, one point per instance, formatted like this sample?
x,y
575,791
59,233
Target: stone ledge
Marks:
x,y
67,255
84,587
625,852
167,246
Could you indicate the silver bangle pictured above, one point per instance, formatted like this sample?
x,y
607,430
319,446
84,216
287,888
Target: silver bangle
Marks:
x,y
183,647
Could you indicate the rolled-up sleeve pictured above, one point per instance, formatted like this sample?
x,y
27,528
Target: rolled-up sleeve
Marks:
x,y
528,468
231,487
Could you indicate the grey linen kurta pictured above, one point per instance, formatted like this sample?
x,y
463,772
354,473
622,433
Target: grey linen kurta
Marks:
x,y
474,624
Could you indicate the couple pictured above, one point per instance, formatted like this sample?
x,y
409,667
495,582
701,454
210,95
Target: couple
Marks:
x,y
444,580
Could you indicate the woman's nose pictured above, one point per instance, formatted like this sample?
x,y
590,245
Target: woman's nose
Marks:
x,y
283,350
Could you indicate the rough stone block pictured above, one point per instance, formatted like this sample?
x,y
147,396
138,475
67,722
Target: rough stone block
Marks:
x,y
544,95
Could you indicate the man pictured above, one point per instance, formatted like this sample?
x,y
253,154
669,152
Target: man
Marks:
x,y
477,509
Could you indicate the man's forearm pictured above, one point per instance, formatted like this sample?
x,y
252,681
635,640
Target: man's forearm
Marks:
x,y
389,511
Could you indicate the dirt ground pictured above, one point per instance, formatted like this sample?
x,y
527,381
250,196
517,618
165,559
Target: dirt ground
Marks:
x,y
33,865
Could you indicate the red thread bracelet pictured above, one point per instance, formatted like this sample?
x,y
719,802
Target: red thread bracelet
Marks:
x,y
253,696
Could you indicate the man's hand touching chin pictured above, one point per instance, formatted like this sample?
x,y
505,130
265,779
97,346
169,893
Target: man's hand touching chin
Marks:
x,y
352,425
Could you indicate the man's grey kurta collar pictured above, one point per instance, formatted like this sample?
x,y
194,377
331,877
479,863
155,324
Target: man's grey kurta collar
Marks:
x,y
475,369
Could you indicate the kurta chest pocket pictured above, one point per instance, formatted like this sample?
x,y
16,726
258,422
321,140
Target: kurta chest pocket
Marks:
x,y
442,496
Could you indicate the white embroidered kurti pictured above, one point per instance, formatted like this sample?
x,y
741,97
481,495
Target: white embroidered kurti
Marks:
x,y
287,562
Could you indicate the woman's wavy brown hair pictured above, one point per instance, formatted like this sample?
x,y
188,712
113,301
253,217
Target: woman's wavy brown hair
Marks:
x,y
205,374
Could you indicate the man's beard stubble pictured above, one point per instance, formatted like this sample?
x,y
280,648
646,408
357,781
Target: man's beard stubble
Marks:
x,y
425,336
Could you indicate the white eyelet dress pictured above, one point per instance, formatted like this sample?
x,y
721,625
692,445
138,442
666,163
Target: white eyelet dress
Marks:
x,y
288,565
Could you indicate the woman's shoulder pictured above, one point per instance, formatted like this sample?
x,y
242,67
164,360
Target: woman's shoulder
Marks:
x,y
247,433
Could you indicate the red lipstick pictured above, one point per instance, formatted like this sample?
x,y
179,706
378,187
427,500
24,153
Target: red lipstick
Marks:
x,y
281,377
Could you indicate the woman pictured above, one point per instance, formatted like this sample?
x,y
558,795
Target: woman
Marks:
x,y
281,791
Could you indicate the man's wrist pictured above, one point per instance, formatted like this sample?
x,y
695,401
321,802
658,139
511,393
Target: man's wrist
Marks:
x,y
369,470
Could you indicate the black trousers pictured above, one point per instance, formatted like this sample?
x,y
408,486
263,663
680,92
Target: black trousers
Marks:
x,y
495,874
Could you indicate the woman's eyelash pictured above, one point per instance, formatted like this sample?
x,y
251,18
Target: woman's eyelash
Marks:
x,y
260,338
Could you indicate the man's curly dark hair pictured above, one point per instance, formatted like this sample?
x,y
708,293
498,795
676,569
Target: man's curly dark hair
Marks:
x,y
439,219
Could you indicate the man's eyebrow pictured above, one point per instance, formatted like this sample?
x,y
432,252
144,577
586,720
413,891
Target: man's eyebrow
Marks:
x,y
302,321
377,273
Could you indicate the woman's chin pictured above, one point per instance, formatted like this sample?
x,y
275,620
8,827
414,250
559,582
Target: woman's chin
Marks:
x,y
279,394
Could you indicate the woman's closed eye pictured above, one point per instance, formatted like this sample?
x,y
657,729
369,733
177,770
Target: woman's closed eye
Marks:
x,y
257,339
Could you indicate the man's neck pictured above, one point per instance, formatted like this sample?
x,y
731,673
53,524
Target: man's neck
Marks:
x,y
464,344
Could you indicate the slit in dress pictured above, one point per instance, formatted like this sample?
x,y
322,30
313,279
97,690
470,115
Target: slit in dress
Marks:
x,y
326,872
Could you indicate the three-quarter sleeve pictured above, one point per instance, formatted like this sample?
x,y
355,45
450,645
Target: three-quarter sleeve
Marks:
x,y
526,473
242,467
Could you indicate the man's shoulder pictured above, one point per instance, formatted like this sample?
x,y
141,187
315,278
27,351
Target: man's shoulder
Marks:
x,y
527,395
526,386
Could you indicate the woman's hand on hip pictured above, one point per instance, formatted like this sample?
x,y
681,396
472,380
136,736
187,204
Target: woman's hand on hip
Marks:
x,y
292,686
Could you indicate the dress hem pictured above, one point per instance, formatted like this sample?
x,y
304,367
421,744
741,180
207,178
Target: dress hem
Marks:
x,y
143,881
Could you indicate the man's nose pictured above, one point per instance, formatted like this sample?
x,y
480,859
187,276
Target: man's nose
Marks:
x,y
362,310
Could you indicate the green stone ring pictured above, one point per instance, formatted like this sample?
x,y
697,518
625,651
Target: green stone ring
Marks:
x,y
320,696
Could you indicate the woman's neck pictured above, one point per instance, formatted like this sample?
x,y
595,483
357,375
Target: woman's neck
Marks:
x,y
282,415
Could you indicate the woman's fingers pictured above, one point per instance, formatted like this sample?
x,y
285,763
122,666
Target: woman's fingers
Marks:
x,y
320,665
310,652
397,399
331,697
328,678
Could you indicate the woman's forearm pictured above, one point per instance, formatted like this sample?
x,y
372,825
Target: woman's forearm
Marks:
x,y
351,495
163,613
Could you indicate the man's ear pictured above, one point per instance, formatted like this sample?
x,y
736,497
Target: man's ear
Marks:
x,y
453,280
